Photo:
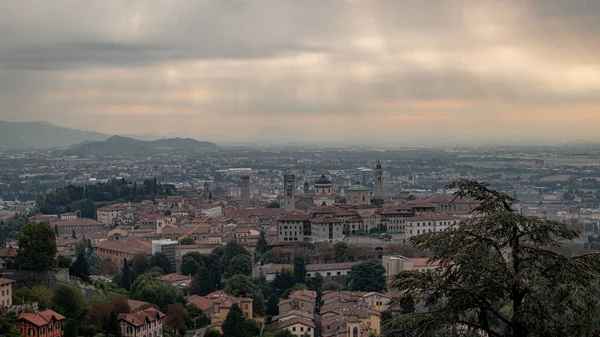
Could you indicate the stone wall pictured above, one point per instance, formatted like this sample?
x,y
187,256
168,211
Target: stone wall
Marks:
x,y
31,278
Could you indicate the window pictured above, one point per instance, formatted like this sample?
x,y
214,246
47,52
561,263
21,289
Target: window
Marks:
x,y
129,330
301,328
294,328
339,273
57,326
49,327
31,332
328,274
42,330
308,329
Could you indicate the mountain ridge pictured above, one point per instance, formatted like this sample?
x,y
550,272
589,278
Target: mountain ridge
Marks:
x,y
125,146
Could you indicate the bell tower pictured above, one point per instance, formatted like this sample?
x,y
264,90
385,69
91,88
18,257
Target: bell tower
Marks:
x,y
289,190
378,177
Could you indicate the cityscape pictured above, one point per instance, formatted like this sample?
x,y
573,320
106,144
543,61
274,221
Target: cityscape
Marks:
x,y
324,168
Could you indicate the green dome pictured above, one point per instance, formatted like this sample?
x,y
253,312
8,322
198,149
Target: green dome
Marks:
x,y
358,187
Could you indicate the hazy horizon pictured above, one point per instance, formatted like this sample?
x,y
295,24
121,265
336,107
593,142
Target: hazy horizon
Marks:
x,y
312,71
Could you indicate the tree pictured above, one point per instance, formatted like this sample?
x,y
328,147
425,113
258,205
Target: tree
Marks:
x,y
274,204
161,260
63,261
126,276
341,250
367,276
37,247
499,274
212,333
139,265
187,241
201,282
80,268
272,306
235,324
8,329
73,235
258,302
70,328
261,245
299,268
284,333
231,250
282,281
332,285
176,318
239,286
112,326
68,301
240,264
189,265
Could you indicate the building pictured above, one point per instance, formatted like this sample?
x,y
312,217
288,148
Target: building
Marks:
x,y
378,181
395,264
327,270
5,292
427,224
358,194
217,304
245,192
289,190
80,226
299,300
298,326
117,251
323,185
177,280
6,254
140,322
327,229
171,202
167,247
47,323
293,227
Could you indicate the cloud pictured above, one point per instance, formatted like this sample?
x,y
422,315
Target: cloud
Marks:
x,y
366,66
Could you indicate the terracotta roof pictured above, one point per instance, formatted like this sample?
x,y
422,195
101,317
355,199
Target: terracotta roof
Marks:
x,y
297,320
330,266
137,305
292,313
8,252
434,217
41,318
326,219
294,217
78,222
127,245
421,203
4,281
174,277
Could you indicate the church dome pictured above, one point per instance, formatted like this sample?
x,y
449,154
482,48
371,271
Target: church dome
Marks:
x,y
323,180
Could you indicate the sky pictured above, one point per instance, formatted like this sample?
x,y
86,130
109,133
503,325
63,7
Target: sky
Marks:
x,y
420,71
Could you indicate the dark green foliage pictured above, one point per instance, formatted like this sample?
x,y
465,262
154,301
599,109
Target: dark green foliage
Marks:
x,y
299,268
189,266
161,260
37,247
68,301
70,328
80,268
139,265
84,198
261,245
227,254
274,204
196,317
235,325
186,241
9,228
258,302
272,306
126,276
212,333
499,275
8,327
73,235
367,276
113,327
162,294
63,261
241,265
239,286
341,250
282,282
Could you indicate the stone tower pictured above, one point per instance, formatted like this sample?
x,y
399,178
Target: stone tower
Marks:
x,y
378,177
289,190
205,193
306,187
245,192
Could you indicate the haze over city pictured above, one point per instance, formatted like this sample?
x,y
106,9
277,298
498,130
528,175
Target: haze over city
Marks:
x,y
330,71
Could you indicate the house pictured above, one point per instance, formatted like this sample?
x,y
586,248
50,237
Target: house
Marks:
x,y
47,323
298,326
300,300
217,304
142,323
176,280
80,226
118,250
7,254
5,292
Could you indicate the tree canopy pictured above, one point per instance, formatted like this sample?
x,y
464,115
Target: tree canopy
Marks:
x,y
235,325
68,301
341,251
367,276
37,247
499,275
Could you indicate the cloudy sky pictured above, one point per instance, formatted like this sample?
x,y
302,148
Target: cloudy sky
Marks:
x,y
420,70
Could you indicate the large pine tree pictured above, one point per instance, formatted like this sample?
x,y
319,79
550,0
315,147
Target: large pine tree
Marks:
x,y
499,275
80,268
235,325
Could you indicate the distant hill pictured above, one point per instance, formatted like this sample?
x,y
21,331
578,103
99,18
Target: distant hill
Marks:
x,y
42,135
124,146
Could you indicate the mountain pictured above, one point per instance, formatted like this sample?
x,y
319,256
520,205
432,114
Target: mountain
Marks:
x,y
42,135
124,146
